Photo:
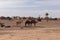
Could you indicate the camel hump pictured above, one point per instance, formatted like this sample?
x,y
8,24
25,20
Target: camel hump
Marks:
x,y
33,21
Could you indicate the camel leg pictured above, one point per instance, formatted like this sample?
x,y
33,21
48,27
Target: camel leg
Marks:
x,y
28,24
31,24
25,24
34,24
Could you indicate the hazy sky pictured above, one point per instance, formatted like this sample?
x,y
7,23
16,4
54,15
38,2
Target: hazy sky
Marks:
x,y
30,8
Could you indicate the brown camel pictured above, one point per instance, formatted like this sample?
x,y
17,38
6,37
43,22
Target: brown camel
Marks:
x,y
30,22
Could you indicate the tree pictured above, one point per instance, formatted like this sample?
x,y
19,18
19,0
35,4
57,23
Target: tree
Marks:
x,y
47,16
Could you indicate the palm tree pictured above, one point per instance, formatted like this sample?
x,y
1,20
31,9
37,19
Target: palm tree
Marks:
x,y
47,16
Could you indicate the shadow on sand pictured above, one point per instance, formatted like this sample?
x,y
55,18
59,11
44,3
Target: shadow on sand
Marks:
x,y
34,26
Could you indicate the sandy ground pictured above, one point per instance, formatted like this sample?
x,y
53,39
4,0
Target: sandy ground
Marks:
x,y
31,34
43,31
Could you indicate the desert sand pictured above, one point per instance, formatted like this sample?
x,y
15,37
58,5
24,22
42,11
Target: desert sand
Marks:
x,y
43,31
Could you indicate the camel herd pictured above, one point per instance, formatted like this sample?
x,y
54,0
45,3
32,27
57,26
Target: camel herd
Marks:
x,y
27,21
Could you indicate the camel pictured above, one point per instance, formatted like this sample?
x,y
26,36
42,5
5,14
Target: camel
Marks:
x,y
18,22
27,22
30,22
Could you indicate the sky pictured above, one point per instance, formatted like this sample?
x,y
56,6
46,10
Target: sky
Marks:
x,y
32,8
